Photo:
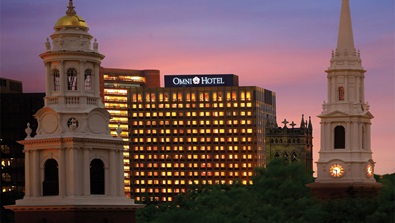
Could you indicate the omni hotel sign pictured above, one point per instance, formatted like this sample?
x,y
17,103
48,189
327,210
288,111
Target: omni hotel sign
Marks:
x,y
199,80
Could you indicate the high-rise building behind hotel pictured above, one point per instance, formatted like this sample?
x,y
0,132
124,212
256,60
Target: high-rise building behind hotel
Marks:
x,y
16,109
115,85
199,129
10,86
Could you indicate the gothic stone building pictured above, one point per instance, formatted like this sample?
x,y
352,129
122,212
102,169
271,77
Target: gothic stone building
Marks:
x,y
290,143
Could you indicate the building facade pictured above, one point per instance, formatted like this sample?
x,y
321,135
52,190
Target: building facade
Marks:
x,y
291,144
115,87
182,136
16,109
10,86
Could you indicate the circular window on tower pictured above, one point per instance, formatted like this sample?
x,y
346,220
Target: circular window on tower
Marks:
x,y
72,123
336,170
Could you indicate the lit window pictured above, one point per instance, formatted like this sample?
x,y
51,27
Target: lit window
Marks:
x,y
56,79
341,93
88,80
71,79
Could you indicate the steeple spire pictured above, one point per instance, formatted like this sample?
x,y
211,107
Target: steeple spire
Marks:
x,y
302,123
70,9
310,125
345,40
346,56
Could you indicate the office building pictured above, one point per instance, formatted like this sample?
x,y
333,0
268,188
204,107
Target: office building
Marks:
x,y
198,129
16,110
115,85
10,86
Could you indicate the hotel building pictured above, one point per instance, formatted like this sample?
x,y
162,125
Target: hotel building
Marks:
x,y
199,129
115,85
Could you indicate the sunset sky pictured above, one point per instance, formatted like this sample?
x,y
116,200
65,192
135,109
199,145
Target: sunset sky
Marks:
x,y
281,45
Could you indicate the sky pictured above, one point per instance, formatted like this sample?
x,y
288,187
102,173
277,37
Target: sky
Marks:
x,y
284,46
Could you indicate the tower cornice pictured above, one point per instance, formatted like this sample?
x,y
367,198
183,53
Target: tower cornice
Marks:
x,y
71,53
345,70
72,140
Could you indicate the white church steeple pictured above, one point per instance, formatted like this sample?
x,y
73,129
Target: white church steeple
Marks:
x,y
72,64
73,161
345,156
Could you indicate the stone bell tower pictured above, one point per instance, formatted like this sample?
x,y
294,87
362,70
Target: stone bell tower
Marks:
x,y
73,166
345,163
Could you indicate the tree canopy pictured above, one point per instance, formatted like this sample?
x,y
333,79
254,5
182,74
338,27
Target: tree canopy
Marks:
x,y
278,194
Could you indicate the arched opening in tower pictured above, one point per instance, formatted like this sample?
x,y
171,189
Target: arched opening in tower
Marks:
x,y
340,137
97,176
51,178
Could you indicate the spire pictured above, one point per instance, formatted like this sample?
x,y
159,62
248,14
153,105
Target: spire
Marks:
x,y
302,123
310,125
345,56
345,40
70,9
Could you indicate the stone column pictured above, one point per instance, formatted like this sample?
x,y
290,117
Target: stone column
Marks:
x,y
96,79
27,174
62,173
36,174
348,136
86,172
121,180
323,137
358,89
81,76
113,176
106,180
62,83
63,78
49,80
331,136
347,90
333,90
354,136
362,86
367,137
72,168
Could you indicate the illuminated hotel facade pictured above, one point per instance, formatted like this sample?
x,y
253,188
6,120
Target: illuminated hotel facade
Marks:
x,y
199,129
115,85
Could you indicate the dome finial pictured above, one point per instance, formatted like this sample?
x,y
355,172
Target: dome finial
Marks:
x,y
70,9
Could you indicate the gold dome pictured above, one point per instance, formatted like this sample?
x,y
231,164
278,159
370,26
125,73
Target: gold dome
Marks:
x,y
71,18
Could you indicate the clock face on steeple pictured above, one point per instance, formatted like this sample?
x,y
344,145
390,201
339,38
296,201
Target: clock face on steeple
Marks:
x,y
336,170
369,170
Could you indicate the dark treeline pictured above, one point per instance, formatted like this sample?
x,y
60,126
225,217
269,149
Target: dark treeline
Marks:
x,y
278,195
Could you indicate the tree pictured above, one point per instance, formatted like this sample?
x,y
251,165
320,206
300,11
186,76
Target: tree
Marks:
x,y
278,194
9,198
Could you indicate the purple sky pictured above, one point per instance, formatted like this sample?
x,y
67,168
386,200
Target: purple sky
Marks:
x,y
284,46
